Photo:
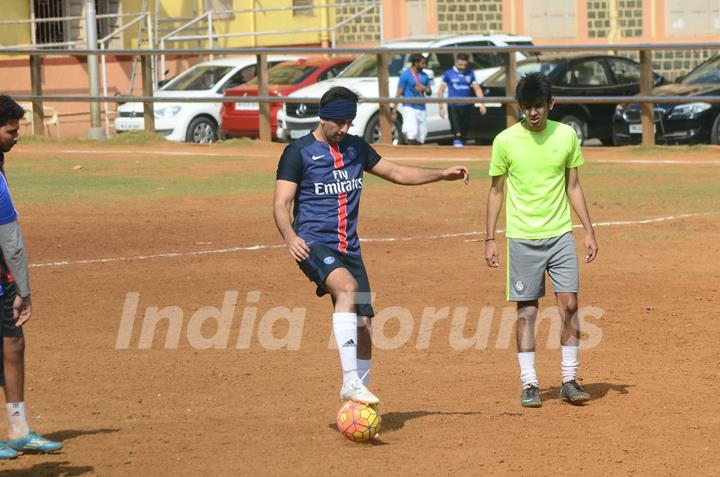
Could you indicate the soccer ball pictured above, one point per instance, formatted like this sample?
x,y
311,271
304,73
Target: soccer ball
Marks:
x,y
358,422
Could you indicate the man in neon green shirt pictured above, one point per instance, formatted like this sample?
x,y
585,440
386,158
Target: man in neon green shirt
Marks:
x,y
538,159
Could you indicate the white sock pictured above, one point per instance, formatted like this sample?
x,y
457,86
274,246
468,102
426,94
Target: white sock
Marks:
x,y
345,329
527,368
363,369
569,363
17,422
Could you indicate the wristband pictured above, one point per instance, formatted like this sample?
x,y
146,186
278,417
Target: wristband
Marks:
x,y
489,239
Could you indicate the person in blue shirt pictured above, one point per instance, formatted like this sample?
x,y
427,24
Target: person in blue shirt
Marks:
x,y
460,82
316,204
414,83
15,302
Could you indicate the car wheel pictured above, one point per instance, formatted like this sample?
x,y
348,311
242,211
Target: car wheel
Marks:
x,y
715,131
578,124
202,130
372,131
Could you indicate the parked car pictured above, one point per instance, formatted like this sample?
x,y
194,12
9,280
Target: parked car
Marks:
x,y
296,120
693,122
570,75
242,118
193,122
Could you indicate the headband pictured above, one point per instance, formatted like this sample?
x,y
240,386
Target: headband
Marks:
x,y
339,109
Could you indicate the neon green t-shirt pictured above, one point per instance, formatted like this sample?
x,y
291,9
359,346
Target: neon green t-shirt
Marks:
x,y
534,165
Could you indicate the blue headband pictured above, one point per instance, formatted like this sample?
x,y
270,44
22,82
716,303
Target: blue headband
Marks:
x,y
339,109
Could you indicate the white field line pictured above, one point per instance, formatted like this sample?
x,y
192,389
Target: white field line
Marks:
x,y
652,161
92,261
392,158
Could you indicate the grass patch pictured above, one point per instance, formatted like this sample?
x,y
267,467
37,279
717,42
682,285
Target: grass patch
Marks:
x,y
133,138
235,142
645,150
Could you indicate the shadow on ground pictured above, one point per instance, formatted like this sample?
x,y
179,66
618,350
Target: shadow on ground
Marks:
x,y
50,469
595,390
392,421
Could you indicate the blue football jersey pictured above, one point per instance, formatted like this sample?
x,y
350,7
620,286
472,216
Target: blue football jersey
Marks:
x,y
330,181
459,84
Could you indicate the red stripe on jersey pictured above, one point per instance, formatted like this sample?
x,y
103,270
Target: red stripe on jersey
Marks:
x,y
342,222
335,151
342,202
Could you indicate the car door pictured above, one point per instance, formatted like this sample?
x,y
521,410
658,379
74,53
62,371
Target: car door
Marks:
x,y
587,77
436,125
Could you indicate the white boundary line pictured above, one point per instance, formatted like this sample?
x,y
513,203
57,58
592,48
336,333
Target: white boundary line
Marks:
x,y
92,261
391,158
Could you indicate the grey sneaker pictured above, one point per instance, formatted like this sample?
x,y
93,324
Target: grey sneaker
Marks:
x,y
531,396
573,393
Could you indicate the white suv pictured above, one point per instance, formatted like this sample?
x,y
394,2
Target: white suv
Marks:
x,y
295,120
193,122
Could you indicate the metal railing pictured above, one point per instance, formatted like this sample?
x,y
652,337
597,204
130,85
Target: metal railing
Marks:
x,y
645,99
211,36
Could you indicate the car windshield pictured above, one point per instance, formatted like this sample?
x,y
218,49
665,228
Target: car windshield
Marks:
x,y
707,73
287,74
546,67
199,78
366,67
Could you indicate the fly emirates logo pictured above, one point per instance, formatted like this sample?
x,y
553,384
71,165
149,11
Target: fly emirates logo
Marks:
x,y
342,183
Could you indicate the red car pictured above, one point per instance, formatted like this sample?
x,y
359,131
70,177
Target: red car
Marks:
x,y
240,119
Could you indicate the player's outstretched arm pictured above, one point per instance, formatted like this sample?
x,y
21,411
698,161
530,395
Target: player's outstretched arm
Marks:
x,y
577,200
494,204
409,175
283,199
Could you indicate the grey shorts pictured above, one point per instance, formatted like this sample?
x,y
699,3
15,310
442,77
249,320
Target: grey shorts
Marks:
x,y
529,259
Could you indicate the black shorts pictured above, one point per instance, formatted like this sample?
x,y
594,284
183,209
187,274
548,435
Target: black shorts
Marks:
x,y
323,260
9,330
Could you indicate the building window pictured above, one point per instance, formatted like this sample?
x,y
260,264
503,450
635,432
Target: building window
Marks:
x,y
550,19
692,17
105,26
52,31
306,11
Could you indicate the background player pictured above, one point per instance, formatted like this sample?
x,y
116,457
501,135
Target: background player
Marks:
x,y
461,83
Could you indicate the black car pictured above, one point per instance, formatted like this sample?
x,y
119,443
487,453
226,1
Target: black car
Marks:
x,y
693,122
570,75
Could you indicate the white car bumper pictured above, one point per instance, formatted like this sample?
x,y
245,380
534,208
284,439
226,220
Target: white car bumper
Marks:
x,y
166,127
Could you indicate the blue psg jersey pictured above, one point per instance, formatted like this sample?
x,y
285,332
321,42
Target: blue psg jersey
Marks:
x,y
459,84
330,181
7,209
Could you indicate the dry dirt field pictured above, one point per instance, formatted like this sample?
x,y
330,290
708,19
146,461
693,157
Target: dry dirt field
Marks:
x,y
137,228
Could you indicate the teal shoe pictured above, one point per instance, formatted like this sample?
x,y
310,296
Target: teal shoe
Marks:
x,y
34,442
531,396
7,452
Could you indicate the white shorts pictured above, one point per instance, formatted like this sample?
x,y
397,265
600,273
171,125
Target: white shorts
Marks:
x,y
414,125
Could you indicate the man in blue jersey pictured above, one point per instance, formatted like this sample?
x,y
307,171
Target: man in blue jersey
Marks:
x,y
414,83
321,177
15,299
460,82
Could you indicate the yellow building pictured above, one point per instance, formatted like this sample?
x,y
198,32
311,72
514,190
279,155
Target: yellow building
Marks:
x,y
231,22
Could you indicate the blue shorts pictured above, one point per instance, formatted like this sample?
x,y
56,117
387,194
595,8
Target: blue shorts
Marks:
x,y
323,260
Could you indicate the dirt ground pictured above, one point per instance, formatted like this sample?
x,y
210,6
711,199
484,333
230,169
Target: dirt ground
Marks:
x,y
447,410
